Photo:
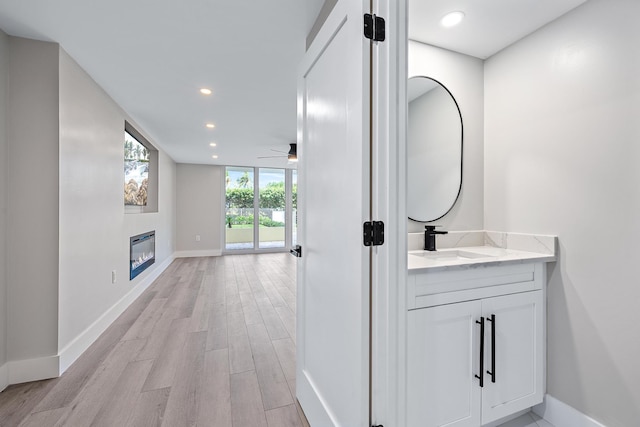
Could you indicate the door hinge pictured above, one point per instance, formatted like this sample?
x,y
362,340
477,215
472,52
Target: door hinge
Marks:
x,y
374,27
373,233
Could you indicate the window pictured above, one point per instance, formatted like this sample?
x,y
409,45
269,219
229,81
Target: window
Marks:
x,y
136,171
140,173
258,220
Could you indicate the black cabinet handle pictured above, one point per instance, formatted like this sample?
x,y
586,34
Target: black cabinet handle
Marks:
x,y
492,372
481,376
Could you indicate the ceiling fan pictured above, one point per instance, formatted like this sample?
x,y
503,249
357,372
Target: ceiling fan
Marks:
x,y
291,155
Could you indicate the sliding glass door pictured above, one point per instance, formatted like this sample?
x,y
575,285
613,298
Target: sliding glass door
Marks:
x,y
259,209
272,219
239,202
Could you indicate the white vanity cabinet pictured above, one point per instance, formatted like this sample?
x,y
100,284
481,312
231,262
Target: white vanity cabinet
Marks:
x,y
472,323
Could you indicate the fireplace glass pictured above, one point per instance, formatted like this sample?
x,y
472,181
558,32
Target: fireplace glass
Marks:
x,y
142,253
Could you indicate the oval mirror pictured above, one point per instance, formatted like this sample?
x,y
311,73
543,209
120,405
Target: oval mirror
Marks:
x,y
434,150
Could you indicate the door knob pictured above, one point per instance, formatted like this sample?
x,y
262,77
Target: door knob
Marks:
x,y
297,251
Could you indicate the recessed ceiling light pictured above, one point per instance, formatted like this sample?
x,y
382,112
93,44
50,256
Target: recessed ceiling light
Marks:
x,y
210,125
212,144
452,19
214,156
205,91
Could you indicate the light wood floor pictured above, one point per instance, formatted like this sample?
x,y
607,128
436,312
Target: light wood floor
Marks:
x,y
210,343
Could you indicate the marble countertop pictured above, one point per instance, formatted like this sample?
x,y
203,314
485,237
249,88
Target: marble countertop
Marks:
x,y
474,249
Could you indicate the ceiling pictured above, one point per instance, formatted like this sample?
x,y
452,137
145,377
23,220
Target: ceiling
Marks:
x,y
489,25
153,56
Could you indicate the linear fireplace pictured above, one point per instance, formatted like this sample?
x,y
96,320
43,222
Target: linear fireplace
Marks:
x,y
142,250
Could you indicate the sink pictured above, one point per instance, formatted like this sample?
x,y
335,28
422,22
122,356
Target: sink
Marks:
x,y
451,255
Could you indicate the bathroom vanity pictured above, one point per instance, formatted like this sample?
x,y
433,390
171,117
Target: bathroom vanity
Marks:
x,y
474,336
476,328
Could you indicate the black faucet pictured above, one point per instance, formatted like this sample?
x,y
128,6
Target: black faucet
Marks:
x,y
430,237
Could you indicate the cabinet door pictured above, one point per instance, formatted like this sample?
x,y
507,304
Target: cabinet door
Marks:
x,y
519,354
442,361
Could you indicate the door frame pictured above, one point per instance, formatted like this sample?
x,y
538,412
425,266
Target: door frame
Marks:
x,y
389,272
389,261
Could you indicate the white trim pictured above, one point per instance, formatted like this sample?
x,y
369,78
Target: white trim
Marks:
x,y
75,348
4,376
562,415
42,368
389,272
200,253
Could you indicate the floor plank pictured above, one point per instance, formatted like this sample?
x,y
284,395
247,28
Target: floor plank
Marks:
x,y
19,400
246,401
273,384
182,407
286,351
124,397
240,357
217,330
165,365
149,411
200,317
154,345
215,407
288,319
66,388
143,327
285,416
91,399
272,321
43,419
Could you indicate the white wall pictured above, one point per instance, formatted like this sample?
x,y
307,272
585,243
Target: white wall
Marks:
x,y
562,148
4,71
463,76
199,210
94,229
65,224
32,214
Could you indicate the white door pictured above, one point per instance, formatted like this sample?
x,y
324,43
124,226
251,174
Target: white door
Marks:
x,y
332,375
443,358
519,354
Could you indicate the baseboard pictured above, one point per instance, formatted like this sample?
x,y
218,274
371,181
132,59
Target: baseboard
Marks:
x,y
202,253
41,368
562,415
4,376
79,345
